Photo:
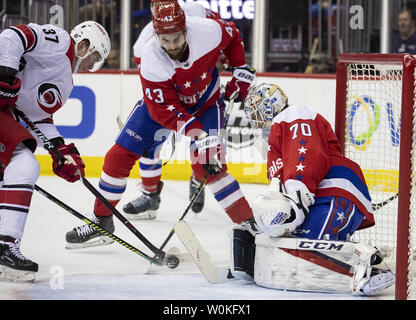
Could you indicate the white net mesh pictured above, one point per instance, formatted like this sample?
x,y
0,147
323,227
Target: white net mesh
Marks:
x,y
372,139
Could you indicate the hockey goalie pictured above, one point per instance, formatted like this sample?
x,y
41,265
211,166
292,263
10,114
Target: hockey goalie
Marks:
x,y
316,200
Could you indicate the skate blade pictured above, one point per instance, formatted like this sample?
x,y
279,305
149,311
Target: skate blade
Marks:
x,y
13,275
148,215
96,242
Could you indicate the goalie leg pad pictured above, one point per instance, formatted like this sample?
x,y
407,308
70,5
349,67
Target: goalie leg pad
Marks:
x,y
319,266
243,251
280,265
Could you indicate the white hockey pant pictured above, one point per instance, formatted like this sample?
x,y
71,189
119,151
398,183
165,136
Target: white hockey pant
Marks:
x,y
16,191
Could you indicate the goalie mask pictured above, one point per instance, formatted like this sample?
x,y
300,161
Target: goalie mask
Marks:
x,y
99,42
263,103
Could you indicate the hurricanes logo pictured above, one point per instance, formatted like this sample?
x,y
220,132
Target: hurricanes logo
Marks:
x,y
49,97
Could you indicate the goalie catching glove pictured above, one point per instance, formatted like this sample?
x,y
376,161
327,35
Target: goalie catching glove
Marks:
x,y
72,169
278,214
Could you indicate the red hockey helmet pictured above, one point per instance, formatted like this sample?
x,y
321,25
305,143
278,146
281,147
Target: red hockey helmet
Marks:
x,y
158,1
168,18
155,3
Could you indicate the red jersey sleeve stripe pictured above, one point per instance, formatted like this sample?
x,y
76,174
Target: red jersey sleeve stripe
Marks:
x,y
27,35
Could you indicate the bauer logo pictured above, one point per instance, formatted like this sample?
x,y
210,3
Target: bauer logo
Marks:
x,y
87,125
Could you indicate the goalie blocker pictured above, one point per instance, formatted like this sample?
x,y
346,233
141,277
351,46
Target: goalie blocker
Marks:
x,y
308,265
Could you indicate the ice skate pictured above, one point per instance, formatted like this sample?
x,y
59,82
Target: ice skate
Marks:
x,y
145,206
13,265
378,282
86,236
198,204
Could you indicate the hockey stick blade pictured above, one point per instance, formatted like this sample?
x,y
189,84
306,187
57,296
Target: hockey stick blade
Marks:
x,y
211,272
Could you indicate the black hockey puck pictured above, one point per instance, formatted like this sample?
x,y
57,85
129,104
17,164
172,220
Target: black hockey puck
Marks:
x,y
172,261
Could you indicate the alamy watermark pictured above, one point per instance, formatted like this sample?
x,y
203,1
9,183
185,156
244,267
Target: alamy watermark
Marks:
x,y
57,18
57,277
357,18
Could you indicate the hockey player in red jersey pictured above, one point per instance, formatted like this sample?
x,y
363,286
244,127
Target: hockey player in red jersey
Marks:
x,y
181,92
145,206
36,67
305,161
315,193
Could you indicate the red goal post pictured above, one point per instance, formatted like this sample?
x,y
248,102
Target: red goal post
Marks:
x,y
375,123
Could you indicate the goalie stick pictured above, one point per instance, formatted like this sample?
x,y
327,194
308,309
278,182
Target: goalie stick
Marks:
x,y
202,259
202,183
159,254
168,259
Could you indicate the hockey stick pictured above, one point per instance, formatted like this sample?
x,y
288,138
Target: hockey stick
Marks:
x,y
202,259
379,205
48,145
202,183
120,123
166,261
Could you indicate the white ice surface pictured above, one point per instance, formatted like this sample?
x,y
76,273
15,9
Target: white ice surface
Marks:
x,y
115,273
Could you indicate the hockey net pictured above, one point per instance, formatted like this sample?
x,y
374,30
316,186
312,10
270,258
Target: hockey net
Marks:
x,y
375,123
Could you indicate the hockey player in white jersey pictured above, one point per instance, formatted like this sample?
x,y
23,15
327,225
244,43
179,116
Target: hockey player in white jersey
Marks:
x,y
36,67
317,199
145,206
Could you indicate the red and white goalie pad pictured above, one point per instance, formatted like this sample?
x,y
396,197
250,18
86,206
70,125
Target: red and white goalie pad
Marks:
x,y
318,266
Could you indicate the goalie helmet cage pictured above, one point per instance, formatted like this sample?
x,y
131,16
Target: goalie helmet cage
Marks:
x,y
375,123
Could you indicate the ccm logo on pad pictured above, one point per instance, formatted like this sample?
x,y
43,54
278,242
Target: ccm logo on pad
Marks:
x,y
321,245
